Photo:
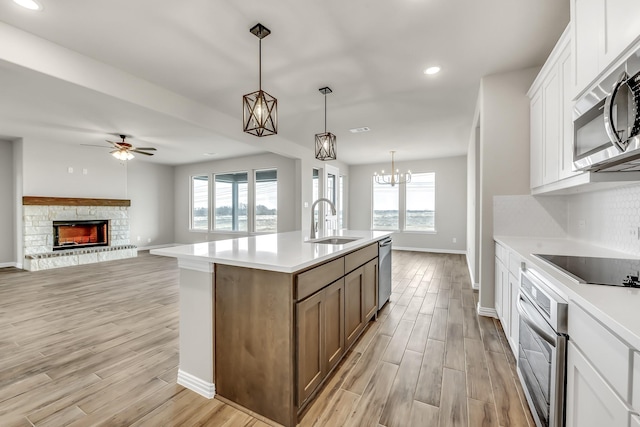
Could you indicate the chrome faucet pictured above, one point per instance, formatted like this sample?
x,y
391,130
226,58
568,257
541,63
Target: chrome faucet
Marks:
x,y
313,207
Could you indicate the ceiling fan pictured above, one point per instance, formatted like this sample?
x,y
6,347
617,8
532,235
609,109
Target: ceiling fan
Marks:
x,y
124,150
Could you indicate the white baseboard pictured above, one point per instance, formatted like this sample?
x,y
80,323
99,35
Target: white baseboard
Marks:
x,y
9,264
438,251
487,312
203,388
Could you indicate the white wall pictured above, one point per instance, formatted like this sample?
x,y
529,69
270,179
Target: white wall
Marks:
x,y
7,206
46,171
451,204
504,158
288,192
151,216
473,211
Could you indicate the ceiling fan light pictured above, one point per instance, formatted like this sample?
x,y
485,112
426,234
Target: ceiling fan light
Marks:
x,y
122,155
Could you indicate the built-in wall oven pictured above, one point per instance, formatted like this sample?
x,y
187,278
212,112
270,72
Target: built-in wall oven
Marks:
x,y
542,353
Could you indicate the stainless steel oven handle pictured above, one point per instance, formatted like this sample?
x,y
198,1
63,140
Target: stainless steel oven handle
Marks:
x,y
526,315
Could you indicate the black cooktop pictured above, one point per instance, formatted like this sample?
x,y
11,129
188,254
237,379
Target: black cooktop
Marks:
x,y
597,271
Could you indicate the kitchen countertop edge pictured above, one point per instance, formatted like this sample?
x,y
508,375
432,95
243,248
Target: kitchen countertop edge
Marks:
x,y
288,246
618,308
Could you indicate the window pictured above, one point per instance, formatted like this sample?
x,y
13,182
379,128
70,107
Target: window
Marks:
x,y
231,200
386,202
341,223
405,207
266,201
420,202
200,202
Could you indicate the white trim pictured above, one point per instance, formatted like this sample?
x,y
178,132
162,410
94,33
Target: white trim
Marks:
x,y
441,251
19,265
190,264
193,383
487,312
9,264
474,285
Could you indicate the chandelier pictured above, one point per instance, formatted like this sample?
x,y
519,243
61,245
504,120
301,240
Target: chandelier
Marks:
x,y
259,109
393,178
325,142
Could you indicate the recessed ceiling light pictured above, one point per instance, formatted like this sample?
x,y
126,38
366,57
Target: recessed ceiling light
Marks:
x,y
29,4
432,70
358,130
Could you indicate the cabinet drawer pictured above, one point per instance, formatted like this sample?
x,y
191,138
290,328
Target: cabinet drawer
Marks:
x,y
605,351
360,257
311,281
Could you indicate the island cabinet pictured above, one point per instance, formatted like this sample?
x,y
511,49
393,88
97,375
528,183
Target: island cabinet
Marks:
x,y
278,336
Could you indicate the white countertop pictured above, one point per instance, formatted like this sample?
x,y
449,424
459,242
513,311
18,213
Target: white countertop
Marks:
x,y
283,252
618,308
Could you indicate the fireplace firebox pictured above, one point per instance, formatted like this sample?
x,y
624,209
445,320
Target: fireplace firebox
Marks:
x,y
80,234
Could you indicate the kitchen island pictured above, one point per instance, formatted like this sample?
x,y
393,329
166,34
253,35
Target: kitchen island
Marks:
x,y
265,319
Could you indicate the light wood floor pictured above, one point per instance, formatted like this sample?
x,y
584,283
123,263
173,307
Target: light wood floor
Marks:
x,y
98,345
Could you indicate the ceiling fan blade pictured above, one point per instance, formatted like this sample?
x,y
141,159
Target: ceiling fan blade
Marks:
x,y
146,148
142,152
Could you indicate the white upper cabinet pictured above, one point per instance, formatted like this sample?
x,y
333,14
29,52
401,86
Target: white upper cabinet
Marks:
x,y
602,31
551,119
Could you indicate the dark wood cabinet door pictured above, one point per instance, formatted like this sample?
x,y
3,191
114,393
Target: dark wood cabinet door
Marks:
x,y
310,345
333,324
370,289
353,312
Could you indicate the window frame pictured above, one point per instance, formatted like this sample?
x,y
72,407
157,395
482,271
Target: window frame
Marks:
x,y
192,200
255,204
402,208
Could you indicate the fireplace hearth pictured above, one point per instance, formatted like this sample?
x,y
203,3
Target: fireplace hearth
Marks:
x,y
80,234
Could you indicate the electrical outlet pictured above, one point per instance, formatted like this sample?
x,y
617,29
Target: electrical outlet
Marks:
x,y
139,238
70,169
85,171
455,240
633,232
149,240
582,224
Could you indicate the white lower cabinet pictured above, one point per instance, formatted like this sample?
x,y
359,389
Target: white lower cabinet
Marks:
x,y
507,284
590,400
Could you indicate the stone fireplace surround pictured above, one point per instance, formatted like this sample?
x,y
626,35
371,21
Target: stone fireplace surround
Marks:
x,y
39,214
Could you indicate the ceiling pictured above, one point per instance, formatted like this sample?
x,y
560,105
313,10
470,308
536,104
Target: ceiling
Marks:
x,y
372,54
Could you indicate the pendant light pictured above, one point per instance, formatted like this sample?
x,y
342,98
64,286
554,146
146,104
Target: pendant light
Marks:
x,y
259,109
393,178
325,142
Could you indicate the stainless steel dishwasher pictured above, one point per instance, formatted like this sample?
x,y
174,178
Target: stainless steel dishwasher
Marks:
x,y
384,271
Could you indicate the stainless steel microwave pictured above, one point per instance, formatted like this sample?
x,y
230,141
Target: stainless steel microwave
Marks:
x,y
606,122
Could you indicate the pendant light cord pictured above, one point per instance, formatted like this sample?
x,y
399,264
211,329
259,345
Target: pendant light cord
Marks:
x,y
260,64
325,113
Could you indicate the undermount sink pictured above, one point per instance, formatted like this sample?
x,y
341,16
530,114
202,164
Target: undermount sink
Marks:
x,y
335,240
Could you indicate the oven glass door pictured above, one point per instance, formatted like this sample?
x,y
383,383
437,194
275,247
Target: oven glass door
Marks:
x,y
536,358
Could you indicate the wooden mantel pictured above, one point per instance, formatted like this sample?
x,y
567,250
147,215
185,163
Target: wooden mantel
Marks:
x,y
72,201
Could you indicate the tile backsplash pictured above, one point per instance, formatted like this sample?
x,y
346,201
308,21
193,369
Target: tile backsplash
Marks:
x,y
608,218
